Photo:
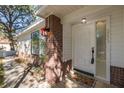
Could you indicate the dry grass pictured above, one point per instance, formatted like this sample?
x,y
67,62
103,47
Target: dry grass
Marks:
x,y
19,60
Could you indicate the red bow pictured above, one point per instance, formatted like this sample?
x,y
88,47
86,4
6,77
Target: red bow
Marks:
x,y
43,31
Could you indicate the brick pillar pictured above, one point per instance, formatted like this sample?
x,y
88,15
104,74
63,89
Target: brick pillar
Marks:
x,y
117,76
53,66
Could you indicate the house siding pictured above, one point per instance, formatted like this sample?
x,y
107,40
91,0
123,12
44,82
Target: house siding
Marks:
x,y
117,48
117,38
67,42
22,41
116,15
25,38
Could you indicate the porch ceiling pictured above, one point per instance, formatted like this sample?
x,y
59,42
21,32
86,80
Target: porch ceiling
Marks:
x,y
58,10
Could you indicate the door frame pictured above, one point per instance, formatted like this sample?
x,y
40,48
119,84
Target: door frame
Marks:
x,y
108,46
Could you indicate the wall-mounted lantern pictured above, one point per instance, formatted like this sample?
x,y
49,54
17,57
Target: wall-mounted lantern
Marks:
x,y
83,20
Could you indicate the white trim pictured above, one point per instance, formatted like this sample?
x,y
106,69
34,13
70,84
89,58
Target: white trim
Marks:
x,y
40,10
108,31
30,27
102,79
72,38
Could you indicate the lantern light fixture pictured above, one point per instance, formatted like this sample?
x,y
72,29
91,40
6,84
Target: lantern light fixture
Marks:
x,y
83,20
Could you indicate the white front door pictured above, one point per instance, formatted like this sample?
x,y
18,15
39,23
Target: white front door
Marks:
x,y
83,40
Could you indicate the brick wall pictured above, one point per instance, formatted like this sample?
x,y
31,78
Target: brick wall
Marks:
x,y
117,76
53,67
67,67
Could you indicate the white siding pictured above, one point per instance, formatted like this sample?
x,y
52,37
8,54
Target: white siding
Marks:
x,y
67,42
24,40
117,32
117,38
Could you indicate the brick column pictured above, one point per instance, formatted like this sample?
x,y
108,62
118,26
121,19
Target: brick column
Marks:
x,y
117,76
53,66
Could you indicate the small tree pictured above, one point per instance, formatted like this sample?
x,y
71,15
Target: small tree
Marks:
x,y
13,19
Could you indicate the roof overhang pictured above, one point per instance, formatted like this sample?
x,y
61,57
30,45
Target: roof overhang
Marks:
x,y
35,25
58,10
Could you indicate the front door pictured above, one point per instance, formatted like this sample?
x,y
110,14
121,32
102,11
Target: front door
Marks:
x,y
86,37
83,41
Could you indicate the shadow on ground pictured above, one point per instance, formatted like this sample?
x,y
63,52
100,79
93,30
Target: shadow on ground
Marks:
x,y
11,71
1,73
26,71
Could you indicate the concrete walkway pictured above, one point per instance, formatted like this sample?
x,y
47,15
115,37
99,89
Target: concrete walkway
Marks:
x,y
12,72
37,81
17,76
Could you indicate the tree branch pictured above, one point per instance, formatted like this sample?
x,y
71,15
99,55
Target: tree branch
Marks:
x,y
4,25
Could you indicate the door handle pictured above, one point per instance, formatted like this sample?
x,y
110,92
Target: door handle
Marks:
x,y
92,59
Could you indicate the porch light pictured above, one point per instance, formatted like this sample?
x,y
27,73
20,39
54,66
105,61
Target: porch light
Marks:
x,y
83,20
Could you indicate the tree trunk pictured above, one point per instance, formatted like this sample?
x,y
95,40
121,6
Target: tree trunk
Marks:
x,y
12,47
10,37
